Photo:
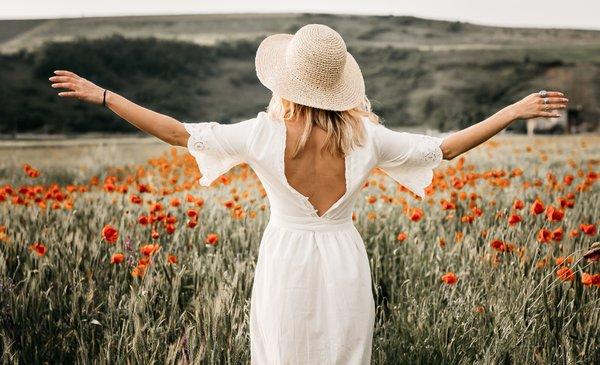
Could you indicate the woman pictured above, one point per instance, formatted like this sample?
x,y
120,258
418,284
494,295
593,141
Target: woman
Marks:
x,y
312,150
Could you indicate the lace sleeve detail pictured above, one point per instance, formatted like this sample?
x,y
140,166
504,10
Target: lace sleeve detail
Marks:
x,y
207,148
409,158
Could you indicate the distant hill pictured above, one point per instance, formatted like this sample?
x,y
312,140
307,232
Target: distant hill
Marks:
x,y
418,72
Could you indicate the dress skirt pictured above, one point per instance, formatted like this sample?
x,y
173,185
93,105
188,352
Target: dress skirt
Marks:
x,y
311,300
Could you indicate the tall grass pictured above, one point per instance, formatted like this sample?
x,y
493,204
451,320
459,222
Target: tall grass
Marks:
x,y
73,306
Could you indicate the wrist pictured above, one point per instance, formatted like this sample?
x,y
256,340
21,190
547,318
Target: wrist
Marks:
x,y
108,98
510,112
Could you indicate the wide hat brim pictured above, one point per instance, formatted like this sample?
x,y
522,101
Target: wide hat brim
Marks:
x,y
348,92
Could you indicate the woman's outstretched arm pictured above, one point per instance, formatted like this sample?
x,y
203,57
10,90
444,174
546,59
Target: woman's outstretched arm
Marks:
x,y
159,125
531,106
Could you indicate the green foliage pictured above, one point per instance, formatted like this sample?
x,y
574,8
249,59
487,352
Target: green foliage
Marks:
x,y
195,82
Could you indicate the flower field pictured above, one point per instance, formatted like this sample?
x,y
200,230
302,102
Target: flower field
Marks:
x,y
117,255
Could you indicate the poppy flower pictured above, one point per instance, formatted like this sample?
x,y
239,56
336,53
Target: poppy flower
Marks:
x,y
596,279
518,204
170,228
448,205
135,199
110,233
212,239
117,258
557,234
514,219
144,188
589,229
586,279
497,245
467,218
554,214
449,278
544,235
401,236
38,248
416,214
143,220
537,207
138,271
172,259
565,274
442,242
192,213
568,179
149,249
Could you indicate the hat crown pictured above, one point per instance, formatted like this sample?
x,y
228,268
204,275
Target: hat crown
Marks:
x,y
316,55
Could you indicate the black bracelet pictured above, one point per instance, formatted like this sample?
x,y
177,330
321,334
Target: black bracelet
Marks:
x,y
104,98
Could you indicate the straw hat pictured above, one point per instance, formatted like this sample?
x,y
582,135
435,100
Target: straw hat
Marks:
x,y
311,67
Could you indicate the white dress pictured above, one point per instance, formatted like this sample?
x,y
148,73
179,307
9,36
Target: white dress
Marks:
x,y
311,299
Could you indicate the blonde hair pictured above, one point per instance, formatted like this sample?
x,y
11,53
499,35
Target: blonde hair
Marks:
x,y
344,128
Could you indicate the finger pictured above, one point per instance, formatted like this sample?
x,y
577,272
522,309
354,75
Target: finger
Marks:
x,y
61,78
65,73
71,94
557,106
551,93
65,85
557,100
548,114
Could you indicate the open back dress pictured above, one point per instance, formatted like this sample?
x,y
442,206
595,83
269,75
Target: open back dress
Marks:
x,y
312,300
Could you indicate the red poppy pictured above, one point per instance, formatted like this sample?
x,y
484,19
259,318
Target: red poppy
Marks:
x,y
212,239
117,258
537,207
514,219
38,248
554,214
557,234
449,278
565,274
497,245
149,249
544,235
518,204
110,233
172,259
589,229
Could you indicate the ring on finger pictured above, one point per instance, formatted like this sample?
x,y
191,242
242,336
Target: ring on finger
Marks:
x,y
545,100
543,93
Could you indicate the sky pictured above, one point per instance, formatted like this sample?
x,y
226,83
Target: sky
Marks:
x,y
582,14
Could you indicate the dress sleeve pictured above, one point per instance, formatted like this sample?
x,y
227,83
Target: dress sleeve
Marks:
x,y
218,147
409,158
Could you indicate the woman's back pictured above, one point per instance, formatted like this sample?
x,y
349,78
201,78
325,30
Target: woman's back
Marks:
x,y
314,173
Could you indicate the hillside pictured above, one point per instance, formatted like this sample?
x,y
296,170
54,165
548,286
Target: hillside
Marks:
x,y
418,72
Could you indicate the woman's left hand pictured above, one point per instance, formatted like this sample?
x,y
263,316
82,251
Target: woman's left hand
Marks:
x,y
534,106
80,88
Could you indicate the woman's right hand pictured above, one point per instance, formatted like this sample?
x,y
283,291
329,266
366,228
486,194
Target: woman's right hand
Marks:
x,y
532,106
79,87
